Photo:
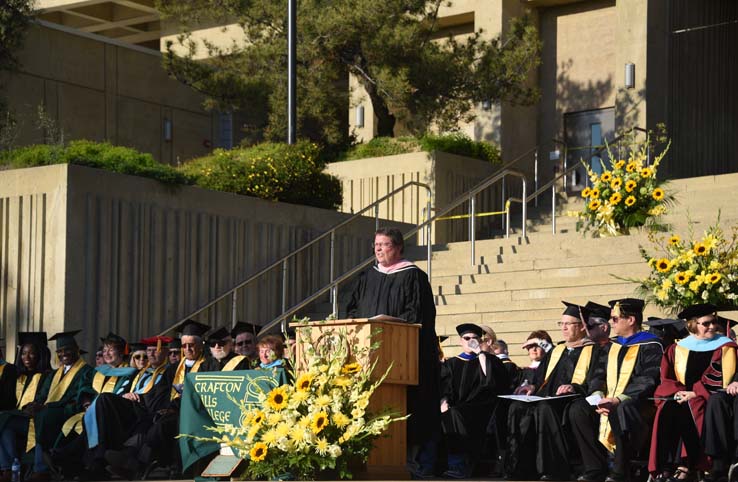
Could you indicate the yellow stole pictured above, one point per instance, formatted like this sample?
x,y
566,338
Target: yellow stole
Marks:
x,y
180,374
25,395
728,363
232,363
75,422
681,355
151,381
2,369
100,385
617,380
59,386
580,370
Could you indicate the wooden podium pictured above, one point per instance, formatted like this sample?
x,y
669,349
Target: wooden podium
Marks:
x,y
399,347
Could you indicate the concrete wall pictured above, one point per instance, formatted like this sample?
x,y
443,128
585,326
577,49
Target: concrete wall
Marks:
x,y
85,248
99,89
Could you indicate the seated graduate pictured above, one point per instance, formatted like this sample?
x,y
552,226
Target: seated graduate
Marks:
x,y
538,344
221,351
470,383
60,398
537,441
138,358
8,377
244,340
17,436
175,352
624,413
692,370
667,329
598,323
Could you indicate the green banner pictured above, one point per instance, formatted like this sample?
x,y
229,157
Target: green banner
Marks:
x,y
209,399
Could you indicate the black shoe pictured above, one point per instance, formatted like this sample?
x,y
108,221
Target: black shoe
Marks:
x,y
553,477
615,477
591,477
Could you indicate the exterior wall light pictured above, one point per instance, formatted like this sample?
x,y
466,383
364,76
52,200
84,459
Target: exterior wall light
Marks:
x,y
630,70
359,121
167,129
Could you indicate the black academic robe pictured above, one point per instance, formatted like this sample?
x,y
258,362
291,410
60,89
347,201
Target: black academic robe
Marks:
x,y
538,440
720,430
471,395
7,386
406,294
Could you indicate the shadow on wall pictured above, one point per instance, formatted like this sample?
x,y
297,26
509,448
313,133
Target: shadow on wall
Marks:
x,y
574,96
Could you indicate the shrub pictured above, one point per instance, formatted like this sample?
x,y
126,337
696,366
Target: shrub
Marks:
x,y
279,172
101,155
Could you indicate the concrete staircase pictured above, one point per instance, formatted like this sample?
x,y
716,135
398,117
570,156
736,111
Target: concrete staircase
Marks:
x,y
517,284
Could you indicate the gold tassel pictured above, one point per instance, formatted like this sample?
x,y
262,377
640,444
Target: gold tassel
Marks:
x,y
616,309
158,345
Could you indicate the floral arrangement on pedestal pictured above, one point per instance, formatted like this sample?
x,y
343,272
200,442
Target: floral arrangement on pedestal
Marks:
x,y
627,196
690,271
316,425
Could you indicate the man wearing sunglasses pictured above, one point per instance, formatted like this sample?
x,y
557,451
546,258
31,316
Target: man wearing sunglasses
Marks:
x,y
244,336
470,383
221,349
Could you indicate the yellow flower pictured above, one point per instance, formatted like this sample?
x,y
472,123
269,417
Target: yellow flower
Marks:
x,y
663,265
667,284
662,295
595,204
630,200
616,198
674,240
683,277
321,446
616,184
300,396
595,193
304,382
320,420
631,167
258,452
323,401
630,185
340,420
283,429
277,398
714,278
619,164
298,434
606,176
694,285
258,417
351,368
269,437
646,172
715,265
710,241
658,194
274,418
342,382
652,262
586,192
700,249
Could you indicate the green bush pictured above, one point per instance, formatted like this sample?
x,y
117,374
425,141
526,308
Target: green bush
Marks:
x,y
452,143
101,155
279,172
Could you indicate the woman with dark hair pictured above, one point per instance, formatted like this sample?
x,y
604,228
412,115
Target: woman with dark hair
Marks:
x,y
33,362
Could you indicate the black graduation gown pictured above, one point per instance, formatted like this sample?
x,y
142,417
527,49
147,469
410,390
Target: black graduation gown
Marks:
x,y
406,294
720,430
537,437
7,387
471,396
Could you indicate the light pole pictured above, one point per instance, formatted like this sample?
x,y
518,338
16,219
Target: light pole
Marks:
x,y
291,73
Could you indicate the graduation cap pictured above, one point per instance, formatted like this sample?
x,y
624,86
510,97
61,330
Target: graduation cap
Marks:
x,y
578,312
469,328
37,338
626,305
598,313
65,339
175,344
244,327
442,338
113,338
194,328
662,323
137,347
698,311
219,335
157,341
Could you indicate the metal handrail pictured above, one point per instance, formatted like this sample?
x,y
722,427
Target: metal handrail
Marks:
x,y
330,233
468,196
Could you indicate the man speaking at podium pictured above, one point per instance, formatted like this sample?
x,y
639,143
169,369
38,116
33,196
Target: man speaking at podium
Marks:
x,y
398,288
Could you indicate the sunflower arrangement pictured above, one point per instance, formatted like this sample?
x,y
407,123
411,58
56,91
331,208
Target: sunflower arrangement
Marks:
x,y
317,424
627,196
698,270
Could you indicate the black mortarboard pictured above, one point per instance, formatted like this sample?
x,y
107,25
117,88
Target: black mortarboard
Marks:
x,y
578,312
725,323
65,339
194,328
244,327
469,328
136,347
220,334
656,322
175,344
442,338
597,310
698,311
37,338
627,305
113,338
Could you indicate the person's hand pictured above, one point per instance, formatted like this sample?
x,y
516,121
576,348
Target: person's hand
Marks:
x,y
134,397
606,405
444,406
564,389
732,389
525,390
684,396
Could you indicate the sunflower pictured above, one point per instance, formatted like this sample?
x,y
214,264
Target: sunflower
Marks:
x,y
304,382
646,172
674,240
658,194
595,204
606,176
616,184
700,249
619,164
616,198
594,193
714,278
320,420
630,185
682,277
277,398
630,200
631,167
351,368
258,417
258,452
663,265
586,192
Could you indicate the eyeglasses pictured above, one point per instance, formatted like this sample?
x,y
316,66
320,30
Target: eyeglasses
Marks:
x,y
707,323
220,343
138,357
615,319
567,323
174,353
467,338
